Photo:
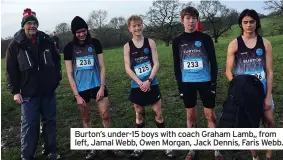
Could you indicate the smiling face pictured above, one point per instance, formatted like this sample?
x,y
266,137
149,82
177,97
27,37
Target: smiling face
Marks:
x,y
30,28
81,34
136,27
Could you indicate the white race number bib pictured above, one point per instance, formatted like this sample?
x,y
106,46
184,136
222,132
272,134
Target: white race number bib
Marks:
x,y
143,70
193,64
84,63
259,74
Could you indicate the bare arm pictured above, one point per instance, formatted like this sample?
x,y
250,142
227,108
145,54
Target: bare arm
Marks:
x,y
269,66
69,70
127,62
102,70
154,59
232,48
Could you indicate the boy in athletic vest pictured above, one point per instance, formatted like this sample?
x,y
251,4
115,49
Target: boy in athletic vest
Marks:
x,y
252,54
141,64
195,70
86,74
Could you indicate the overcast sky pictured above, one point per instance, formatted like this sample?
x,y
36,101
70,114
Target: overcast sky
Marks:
x,y
52,12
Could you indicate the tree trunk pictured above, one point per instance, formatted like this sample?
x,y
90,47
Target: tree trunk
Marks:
x,y
167,43
120,36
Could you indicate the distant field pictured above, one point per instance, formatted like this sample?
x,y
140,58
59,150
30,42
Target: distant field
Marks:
x,y
266,28
122,112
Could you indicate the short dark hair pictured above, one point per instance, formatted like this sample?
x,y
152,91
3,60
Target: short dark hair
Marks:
x,y
251,13
189,11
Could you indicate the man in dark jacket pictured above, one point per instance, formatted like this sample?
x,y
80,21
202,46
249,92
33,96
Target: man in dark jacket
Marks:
x,y
33,73
55,39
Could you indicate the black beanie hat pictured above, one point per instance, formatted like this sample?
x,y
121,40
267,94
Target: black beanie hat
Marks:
x,y
78,23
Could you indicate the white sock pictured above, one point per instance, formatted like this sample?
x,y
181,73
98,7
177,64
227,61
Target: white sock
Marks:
x,y
192,152
255,158
139,150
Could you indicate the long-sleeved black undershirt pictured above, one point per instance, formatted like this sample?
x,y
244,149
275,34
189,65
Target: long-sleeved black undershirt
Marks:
x,y
209,47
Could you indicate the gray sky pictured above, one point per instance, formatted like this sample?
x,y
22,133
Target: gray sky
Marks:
x,y
52,12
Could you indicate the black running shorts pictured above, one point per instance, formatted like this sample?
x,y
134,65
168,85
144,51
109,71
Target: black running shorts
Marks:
x,y
91,93
145,98
189,94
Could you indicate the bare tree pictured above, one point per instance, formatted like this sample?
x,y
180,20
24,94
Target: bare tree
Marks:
x,y
216,17
62,28
63,32
274,5
119,24
163,17
188,4
97,19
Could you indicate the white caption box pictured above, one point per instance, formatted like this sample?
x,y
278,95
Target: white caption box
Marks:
x,y
177,138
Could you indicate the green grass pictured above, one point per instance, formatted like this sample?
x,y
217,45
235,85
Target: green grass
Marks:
x,y
266,28
122,112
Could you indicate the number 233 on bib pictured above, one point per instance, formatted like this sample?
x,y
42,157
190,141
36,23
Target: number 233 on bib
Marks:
x,y
192,64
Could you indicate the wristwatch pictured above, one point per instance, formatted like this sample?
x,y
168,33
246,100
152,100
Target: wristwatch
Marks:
x,y
150,80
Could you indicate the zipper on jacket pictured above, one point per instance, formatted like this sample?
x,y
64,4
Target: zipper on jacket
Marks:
x,y
28,58
44,57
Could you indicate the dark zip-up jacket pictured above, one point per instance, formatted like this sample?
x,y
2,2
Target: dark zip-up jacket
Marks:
x,y
32,69
243,107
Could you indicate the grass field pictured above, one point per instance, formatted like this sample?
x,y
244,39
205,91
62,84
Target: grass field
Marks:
x,y
122,112
266,28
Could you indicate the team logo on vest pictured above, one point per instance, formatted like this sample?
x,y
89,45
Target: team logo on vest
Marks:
x,y
89,49
146,51
254,60
198,43
259,51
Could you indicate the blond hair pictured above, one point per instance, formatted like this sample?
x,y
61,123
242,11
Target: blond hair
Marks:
x,y
134,18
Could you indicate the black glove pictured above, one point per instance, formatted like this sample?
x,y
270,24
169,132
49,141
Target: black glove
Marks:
x,y
213,86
